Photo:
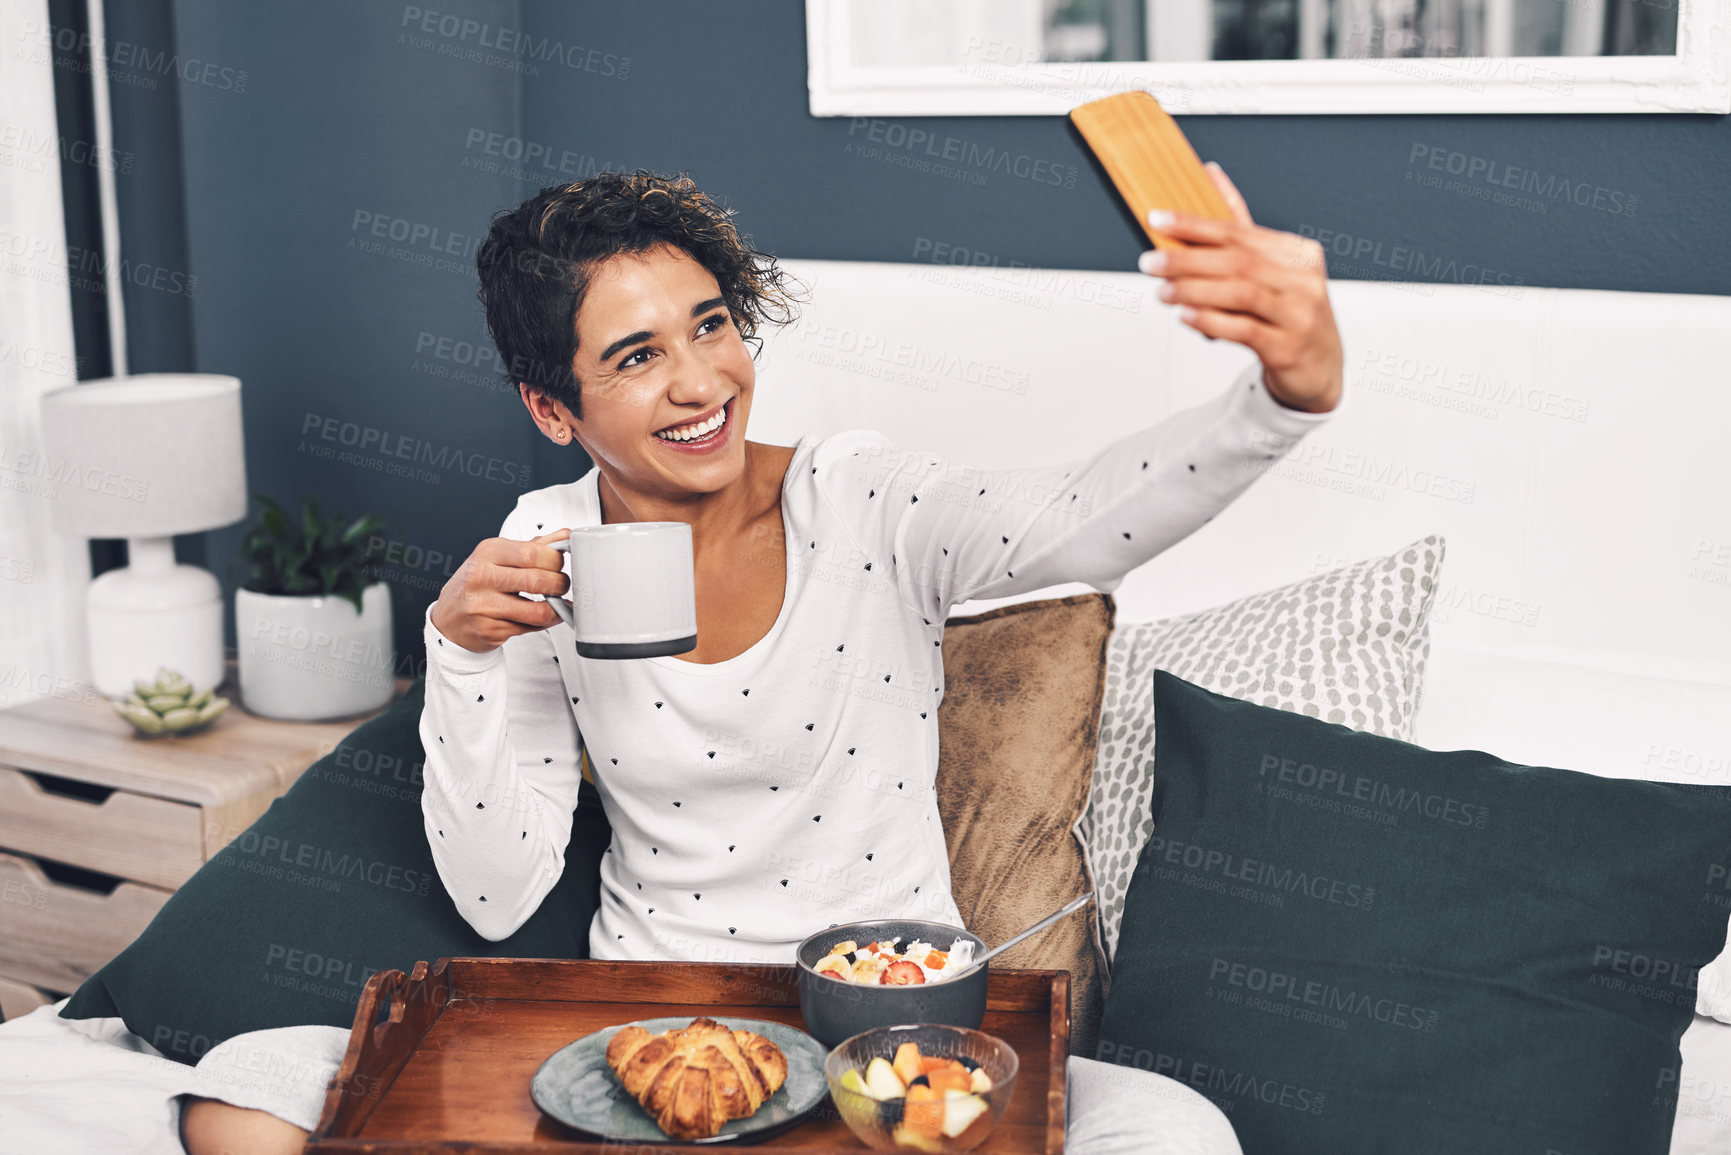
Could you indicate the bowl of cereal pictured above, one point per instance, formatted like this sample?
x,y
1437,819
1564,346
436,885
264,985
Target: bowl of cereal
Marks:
x,y
886,972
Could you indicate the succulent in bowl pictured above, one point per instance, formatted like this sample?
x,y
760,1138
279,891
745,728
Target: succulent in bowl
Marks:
x,y
169,705
924,1087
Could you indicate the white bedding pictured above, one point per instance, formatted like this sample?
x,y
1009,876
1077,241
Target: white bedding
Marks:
x,y
1703,1090
72,1086
51,1069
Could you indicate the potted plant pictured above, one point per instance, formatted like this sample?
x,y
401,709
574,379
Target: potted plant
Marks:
x,y
314,635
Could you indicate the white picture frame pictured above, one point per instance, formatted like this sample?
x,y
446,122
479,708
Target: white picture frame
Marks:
x,y
1696,79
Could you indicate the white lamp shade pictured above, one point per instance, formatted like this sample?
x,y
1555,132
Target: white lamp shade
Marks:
x,y
146,456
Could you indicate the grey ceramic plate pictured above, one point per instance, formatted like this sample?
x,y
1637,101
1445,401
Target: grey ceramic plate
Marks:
x,y
576,1087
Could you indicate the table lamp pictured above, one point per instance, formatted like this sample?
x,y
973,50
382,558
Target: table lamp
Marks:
x,y
146,457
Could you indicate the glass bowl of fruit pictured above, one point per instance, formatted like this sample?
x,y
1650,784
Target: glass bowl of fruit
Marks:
x,y
922,1088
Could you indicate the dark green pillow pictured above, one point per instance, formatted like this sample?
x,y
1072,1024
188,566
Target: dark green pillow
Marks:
x,y
333,882
1353,944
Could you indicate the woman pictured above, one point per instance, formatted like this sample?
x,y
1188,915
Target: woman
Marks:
x,y
777,779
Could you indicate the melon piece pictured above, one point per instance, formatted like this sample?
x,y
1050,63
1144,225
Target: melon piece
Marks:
x,y
980,1082
907,1062
923,1113
950,1079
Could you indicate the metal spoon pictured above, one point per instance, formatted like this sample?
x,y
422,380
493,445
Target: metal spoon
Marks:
x,y
1070,907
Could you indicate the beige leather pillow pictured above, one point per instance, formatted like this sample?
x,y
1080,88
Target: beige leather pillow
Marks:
x,y
1016,732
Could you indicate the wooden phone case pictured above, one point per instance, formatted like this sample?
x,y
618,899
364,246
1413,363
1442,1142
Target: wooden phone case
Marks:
x,y
1149,161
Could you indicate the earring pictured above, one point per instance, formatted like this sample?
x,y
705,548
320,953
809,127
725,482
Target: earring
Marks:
x,y
564,433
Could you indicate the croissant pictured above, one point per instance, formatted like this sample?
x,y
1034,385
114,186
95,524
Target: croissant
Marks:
x,y
694,1079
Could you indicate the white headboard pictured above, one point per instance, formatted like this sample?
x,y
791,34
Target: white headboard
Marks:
x,y
1569,444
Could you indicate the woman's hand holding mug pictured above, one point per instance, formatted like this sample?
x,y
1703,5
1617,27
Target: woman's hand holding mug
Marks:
x,y
479,607
639,590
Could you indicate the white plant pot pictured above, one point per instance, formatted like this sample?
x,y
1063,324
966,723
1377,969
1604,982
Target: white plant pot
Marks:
x,y
313,659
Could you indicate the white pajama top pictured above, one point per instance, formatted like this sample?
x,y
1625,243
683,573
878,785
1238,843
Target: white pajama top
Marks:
x,y
761,799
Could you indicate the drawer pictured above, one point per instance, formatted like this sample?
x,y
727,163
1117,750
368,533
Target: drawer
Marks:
x,y
57,934
130,835
19,999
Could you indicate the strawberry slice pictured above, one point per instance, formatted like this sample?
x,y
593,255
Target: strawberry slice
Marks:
x,y
902,973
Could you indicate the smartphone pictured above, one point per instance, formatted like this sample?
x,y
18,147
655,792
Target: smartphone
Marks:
x,y
1149,161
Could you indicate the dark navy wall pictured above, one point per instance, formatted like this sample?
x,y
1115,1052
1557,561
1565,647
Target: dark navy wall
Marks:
x,y
337,163
725,97
332,228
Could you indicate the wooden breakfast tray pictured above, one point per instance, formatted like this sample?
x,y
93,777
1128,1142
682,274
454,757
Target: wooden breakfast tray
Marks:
x,y
448,1067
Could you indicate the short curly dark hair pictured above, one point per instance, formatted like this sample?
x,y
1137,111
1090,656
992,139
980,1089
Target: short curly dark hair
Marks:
x,y
538,259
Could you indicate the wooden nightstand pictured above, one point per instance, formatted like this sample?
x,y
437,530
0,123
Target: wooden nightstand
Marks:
x,y
98,827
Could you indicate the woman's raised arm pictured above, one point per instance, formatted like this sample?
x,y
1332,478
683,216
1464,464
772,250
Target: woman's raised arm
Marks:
x,y
502,747
945,534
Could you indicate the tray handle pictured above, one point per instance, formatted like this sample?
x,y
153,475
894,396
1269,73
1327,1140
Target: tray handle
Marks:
x,y
379,1049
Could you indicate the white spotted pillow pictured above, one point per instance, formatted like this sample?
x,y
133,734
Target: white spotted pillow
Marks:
x,y
1346,646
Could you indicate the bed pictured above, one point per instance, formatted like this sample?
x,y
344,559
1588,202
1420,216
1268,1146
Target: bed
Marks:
x,y
1568,443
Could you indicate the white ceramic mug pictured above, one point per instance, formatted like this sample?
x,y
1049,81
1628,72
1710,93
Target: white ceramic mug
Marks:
x,y
635,589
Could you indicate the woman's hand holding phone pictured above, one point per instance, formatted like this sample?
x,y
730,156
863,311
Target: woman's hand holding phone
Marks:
x,y
1265,289
480,607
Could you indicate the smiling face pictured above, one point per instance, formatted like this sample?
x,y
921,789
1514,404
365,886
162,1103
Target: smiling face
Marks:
x,y
657,349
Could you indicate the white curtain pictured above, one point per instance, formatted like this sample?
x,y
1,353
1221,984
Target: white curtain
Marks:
x,y
43,573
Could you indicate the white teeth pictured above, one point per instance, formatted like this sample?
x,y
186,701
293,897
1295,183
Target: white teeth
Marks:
x,y
692,432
